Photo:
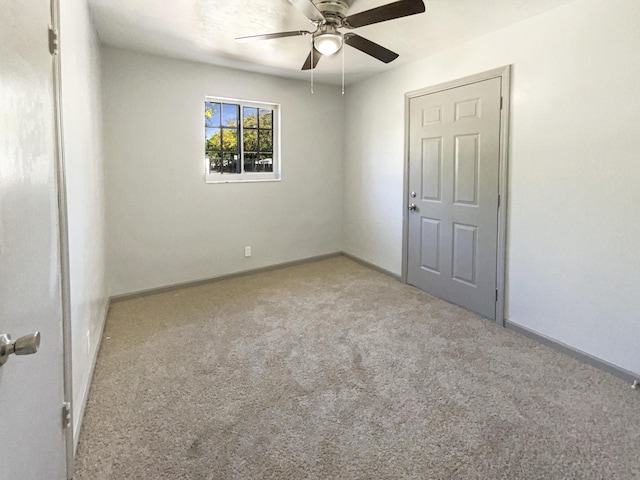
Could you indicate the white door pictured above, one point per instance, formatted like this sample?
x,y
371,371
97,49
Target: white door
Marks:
x,y
32,443
454,153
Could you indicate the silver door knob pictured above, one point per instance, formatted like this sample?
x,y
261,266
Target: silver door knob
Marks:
x,y
412,207
26,345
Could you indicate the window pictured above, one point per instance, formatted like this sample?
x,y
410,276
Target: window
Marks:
x,y
241,140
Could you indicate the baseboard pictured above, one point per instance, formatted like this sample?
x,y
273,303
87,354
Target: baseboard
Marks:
x,y
619,372
204,281
371,265
85,397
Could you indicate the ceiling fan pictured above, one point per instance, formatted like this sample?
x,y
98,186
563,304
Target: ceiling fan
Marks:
x,y
330,15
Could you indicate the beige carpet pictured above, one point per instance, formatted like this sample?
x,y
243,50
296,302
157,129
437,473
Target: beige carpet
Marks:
x,y
333,371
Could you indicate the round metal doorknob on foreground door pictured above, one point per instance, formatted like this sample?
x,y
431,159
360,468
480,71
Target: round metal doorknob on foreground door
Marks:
x,y
412,207
26,345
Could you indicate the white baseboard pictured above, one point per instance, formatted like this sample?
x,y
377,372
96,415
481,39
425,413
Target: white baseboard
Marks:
x,y
77,426
195,283
584,357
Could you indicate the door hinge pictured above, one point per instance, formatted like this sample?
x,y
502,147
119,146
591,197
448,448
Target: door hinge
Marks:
x,y
501,102
496,295
53,41
499,201
66,414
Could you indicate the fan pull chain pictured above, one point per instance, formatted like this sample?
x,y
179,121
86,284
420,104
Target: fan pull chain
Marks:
x,y
312,66
343,49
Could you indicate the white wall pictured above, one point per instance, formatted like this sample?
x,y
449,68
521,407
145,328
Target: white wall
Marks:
x,y
573,256
81,107
164,224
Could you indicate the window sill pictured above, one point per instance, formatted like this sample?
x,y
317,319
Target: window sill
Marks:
x,y
243,180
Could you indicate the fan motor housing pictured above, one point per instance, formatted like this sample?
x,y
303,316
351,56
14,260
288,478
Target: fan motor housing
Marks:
x,y
335,7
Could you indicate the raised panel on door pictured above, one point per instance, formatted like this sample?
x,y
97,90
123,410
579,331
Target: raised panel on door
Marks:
x,y
466,167
465,244
454,138
430,245
469,108
431,168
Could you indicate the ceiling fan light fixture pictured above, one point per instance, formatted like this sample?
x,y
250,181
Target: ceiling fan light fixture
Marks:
x,y
328,43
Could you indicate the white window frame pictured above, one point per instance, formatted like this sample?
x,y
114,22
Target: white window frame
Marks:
x,y
274,176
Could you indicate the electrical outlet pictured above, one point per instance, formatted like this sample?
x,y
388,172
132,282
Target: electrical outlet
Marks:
x,y
247,251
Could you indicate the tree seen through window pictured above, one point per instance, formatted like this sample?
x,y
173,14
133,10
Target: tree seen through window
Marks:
x,y
225,124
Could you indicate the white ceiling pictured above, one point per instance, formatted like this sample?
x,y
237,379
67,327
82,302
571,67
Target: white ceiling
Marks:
x,y
204,31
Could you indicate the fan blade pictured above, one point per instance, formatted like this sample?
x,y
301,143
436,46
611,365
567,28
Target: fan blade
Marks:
x,y
270,36
370,48
316,58
309,9
403,8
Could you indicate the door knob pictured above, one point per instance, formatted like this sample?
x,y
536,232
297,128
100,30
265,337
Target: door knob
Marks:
x,y
412,207
26,345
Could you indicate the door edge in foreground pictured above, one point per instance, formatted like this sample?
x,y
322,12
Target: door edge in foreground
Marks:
x,y
63,240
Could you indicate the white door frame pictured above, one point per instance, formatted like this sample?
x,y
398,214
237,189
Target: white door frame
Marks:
x,y
504,74
63,239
